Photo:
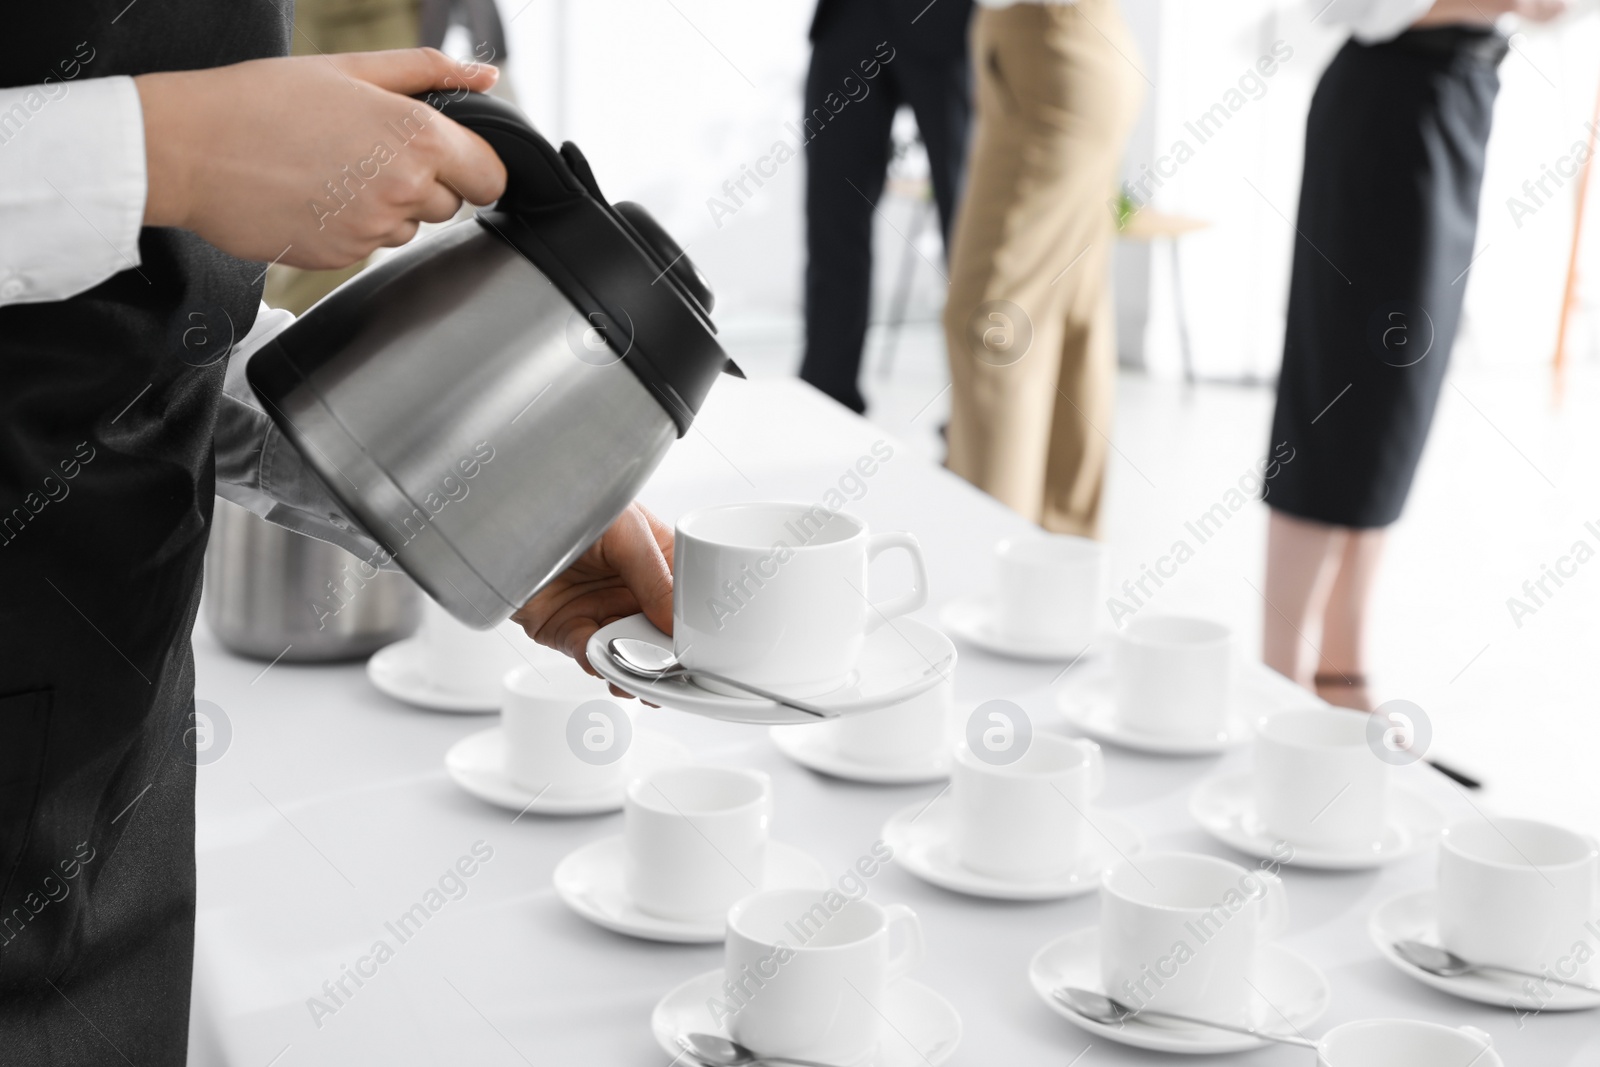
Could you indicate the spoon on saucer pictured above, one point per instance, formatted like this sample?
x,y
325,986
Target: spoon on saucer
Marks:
x,y
1108,1011
716,1051
647,660
1447,964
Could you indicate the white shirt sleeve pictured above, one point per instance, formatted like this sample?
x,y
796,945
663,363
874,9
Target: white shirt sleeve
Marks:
x,y
72,186
258,469
1371,21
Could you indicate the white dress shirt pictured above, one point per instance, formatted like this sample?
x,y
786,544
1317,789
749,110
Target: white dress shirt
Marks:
x,y
1371,21
72,186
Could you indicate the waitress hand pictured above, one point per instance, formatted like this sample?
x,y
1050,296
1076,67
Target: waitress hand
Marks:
x,y
313,161
628,570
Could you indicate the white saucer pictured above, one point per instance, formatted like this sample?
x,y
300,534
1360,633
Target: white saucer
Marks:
x,y
921,1028
1413,917
816,746
972,618
1225,807
589,881
477,764
1085,700
922,845
900,660
398,670
1286,979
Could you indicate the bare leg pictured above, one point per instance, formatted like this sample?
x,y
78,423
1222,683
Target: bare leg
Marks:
x,y
1343,667
1302,558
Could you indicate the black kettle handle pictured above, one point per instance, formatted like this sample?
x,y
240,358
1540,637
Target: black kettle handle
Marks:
x,y
537,176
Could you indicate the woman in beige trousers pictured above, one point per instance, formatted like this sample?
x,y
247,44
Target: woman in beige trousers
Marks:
x,y
1028,321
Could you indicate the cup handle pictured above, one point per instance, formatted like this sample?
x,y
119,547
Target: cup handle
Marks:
x,y
910,957
881,613
1097,765
1274,906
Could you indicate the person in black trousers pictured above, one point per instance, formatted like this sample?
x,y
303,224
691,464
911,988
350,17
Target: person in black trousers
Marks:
x,y
917,55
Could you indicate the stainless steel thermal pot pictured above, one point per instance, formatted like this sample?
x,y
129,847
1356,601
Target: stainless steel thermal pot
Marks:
x,y
488,399
274,594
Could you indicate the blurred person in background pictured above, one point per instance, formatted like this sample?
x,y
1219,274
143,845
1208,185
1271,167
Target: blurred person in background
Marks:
x,y
868,57
326,27
1028,323
1395,147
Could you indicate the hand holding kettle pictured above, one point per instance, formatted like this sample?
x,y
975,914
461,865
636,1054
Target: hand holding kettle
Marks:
x,y
486,403
399,387
243,155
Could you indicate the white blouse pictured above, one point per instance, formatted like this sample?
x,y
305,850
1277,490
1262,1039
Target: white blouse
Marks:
x,y
1374,20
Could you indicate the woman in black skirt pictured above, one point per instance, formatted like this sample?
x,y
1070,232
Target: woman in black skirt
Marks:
x,y
1395,146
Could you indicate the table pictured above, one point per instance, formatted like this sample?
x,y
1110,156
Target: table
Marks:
x,y
329,814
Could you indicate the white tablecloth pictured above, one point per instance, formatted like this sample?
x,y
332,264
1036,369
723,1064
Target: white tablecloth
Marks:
x,y
330,815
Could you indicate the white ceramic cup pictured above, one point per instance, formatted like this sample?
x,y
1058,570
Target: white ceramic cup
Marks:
x,y
908,734
1025,820
1173,675
809,981
1048,589
1181,932
1318,783
1405,1043
776,594
695,839
1518,893
537,704
471,662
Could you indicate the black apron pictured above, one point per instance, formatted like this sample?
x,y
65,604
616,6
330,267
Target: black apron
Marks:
x,y
107,403
1395,146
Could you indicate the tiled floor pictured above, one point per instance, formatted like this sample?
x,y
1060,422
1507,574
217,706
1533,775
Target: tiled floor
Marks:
x,y
1506,487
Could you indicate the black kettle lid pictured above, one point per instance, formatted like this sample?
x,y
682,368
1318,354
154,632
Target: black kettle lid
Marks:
x,y
629,282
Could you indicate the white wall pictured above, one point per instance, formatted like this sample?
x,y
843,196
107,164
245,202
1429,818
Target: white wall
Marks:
x,y
1514,292
669,98
1241,174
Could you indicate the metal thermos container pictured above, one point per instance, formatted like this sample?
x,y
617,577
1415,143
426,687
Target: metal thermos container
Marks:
x,y
274,593
487,400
